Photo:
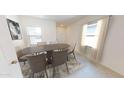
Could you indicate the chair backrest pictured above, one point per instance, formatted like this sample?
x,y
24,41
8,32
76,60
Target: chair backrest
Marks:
x,y
41,43
26,51
59,57
37,63
74,47
19,53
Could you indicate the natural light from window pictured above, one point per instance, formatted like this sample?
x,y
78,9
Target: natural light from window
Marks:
x,y
90,34
34,34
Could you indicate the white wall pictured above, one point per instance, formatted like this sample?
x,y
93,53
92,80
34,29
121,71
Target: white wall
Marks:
x,y
48,28
61,34
8,52
73,35
113,54
18,44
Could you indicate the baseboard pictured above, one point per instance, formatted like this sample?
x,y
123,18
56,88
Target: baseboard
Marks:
x,y
111,69
100,64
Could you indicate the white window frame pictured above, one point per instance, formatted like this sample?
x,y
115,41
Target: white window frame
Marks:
x,y
29,36
96,34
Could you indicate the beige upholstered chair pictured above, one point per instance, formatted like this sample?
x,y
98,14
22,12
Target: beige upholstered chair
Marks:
x,y
59,58
37,64
71,51
26,51
19,55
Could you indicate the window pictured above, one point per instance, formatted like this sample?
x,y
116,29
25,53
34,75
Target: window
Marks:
x,y
90,34
34,34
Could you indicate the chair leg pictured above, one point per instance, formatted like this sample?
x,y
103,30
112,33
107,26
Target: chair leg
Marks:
x,y
67,67
46,73
53,72
74,55
24,62
67,58
32,75
42,74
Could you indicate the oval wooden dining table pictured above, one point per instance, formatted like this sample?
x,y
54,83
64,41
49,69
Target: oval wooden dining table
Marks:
x,y
49,48
43,48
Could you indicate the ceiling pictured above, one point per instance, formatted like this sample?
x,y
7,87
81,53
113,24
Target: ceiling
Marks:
x,y
61,20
